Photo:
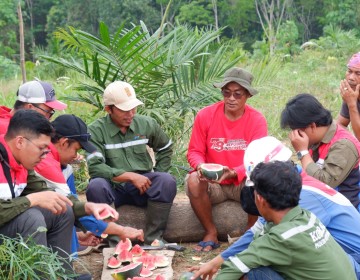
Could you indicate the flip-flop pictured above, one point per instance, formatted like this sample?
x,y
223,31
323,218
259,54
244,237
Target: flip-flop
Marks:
x,y
210,243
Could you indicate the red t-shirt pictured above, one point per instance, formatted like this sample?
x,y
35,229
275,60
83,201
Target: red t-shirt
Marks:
x,y
215,139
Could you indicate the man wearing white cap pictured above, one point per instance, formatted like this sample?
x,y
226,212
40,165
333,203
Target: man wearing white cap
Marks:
x,y
335,211
122,171
35,95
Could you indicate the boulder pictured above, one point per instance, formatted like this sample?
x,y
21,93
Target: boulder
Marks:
x,y
183,225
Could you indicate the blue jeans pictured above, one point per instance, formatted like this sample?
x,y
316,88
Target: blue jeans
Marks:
x,y
263,273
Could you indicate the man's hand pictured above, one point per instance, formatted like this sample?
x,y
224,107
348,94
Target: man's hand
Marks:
x,y
133,233
299,140
207,269
348,93
95,209
50,200
141,182
227,175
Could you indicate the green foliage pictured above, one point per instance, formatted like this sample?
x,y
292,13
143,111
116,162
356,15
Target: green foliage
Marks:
x,y
287,38
23,259
8,68
8,26
196,13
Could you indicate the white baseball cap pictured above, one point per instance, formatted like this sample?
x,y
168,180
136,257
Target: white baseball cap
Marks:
x,y
122,95
38,92
265,149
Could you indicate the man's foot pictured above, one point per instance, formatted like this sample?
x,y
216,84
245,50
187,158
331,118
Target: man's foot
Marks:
x,y
206,246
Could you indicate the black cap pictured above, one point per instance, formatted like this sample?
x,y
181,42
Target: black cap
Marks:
x,y
70,126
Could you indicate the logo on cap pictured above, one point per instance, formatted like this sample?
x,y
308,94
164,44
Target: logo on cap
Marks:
x,y
128,91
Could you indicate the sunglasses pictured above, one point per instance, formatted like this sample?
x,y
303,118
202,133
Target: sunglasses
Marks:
x,y
50,112
82,137
237,94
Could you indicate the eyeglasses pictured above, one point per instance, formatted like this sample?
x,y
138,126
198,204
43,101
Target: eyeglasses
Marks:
x,y
82,137
50,112
237,94
44,151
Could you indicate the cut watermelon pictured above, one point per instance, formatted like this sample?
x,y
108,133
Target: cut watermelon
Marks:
x,y
123,245
106,215
212,171
113,262
145,272
160,277
137,250
161,261
128,271
125,257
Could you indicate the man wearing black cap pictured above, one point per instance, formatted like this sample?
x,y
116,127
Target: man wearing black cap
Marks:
x,y
221,133
34,95
70,136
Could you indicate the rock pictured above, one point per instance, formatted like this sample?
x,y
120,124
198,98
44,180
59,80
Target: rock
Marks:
x,y
183,225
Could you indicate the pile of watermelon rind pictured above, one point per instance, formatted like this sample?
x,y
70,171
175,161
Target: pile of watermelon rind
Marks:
x,y
136,263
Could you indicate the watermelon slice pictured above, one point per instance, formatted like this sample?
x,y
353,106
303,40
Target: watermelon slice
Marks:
x,y
161,261
137,250
113,262
128,271
125,257
160,277
145,272
106,215
123,245
212,171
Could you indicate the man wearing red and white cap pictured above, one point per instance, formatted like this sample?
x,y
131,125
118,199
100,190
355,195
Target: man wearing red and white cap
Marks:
x,y
349,91
35,95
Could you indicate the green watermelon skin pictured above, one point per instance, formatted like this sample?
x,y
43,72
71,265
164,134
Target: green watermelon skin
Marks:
x,y
128,271
212,171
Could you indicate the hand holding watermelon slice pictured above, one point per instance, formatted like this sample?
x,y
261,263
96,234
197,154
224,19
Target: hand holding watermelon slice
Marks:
x,y
211,171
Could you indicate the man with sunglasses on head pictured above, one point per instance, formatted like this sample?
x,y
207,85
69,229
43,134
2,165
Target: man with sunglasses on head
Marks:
x,y
122,170
23,208
33,95
70,136
221,133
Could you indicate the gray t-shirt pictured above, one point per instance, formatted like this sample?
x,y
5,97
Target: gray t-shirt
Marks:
x,y
344,112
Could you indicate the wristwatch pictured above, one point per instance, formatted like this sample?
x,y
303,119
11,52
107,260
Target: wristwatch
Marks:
x,y
301,154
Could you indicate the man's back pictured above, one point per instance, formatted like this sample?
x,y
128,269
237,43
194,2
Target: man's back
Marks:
x,y
299,247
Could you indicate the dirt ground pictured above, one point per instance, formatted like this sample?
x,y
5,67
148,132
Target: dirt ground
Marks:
x,y
182,261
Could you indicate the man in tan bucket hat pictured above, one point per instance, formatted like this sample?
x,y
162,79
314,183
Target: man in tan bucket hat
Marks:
x,y
122,171
221,134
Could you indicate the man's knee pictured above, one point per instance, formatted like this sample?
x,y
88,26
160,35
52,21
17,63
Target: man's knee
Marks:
x,y
97,190
194,187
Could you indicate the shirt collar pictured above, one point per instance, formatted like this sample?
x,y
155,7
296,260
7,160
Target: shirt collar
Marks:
x,y
291,214
327,137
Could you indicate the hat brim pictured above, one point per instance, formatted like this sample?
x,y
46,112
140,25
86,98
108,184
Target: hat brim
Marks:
x,y
87,146
241,82
56,105
129,105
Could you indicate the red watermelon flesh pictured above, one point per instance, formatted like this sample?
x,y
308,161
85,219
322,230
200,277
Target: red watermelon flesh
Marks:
x,y
137,250
145,272
106,215
113,262
123,245
125,257
161,261
160,277
128,271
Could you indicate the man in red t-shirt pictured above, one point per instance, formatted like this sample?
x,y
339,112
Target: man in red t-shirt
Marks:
x,y
221,133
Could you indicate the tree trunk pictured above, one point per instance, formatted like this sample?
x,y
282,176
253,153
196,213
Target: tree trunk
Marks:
x,y
22,47
183,225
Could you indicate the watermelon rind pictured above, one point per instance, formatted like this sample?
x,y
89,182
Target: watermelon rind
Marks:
x,y
212,171
128,271
113,262
106,215
145,272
